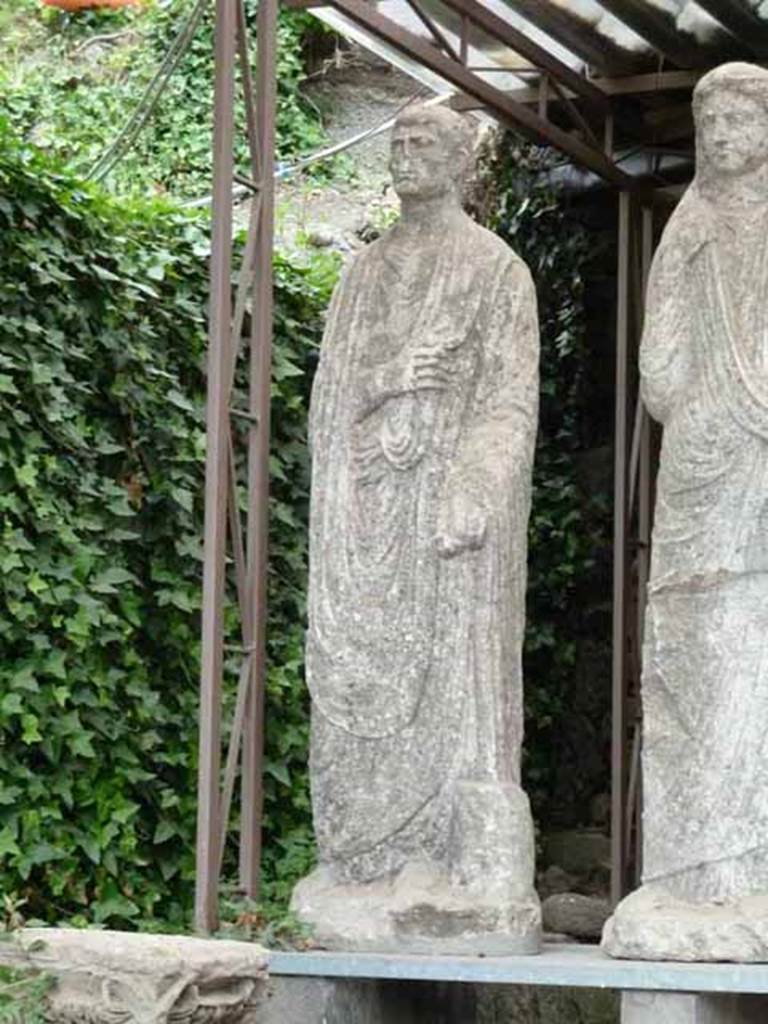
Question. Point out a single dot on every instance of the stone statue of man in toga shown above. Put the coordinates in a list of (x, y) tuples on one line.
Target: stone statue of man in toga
[(422, 429), (704, 367)]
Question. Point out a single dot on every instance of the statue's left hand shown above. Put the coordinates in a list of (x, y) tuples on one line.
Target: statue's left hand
[(462, 526)]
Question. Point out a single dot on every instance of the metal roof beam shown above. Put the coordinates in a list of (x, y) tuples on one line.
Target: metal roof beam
[(519, 42), (434, 29), (630, 85), (498, 103), (660, 30), (657, 81)]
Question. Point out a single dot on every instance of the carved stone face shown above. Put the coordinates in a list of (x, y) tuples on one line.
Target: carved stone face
[(732, 133), (421, 161)]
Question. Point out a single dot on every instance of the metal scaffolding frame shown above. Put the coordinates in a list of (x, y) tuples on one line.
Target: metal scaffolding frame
[(577, 116), (222, 499)]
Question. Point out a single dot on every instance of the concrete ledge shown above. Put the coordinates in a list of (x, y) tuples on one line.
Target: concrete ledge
[(559, 966)]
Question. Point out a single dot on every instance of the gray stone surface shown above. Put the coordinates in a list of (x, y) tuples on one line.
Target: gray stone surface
[(105, 977), (578, 851), (554, 880), (704, 369), (685, 1008), (574, 914), (422, 426), (650, 924)]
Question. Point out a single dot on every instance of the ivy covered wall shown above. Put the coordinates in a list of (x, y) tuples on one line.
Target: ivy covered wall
[(102, 340)]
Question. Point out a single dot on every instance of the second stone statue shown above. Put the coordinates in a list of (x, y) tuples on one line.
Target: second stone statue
[(423, 421)]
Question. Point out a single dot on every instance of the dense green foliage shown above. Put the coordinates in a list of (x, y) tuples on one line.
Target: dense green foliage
[(22, 997), (568, 524), (101, 450), (68, 82), (22, 992), (101, 454)]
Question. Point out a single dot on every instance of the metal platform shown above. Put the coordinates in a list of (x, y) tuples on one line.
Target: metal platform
[(564, 966)]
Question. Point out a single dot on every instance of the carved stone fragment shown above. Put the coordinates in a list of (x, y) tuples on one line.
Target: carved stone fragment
[(704, 368), (104, 977), (423, 420)]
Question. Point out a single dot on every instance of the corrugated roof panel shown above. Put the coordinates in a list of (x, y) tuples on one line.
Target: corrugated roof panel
[(611, 28), (557, 47), (605, 42), (593, 15), (650, 52), (700, 24)]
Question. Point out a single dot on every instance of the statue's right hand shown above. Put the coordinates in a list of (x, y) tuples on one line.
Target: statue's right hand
[(428, 370)]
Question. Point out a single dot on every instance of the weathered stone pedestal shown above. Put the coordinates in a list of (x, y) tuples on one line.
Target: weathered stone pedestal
[(419, 911), (650, 924), (688, 1008), (106, 977)]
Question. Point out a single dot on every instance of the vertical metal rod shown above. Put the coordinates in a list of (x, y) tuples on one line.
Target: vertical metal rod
[(633, 786), (618, 783), (246, 81), (217, 431), (634, 454), (464, 40), (644, 467), (245, 281), (608, 135), (230, 768), (644, 534), (543, 102), (258, 454), (236, 537), (244, 592)]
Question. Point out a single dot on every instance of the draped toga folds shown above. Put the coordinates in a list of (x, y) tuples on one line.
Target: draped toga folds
[(704, 366), (414, 659)]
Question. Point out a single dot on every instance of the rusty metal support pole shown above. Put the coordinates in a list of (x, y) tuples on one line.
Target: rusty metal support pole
[(618, 766), (464, 41), (216, 481), (644, 523), (644, 466), (543, 100), (258, 452)]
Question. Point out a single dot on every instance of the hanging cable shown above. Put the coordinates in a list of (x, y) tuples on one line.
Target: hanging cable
[(148, 102), (287, 170)]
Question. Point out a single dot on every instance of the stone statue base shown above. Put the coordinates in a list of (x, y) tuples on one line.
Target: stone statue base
[(416, 911), (650, 924), (481, 902)]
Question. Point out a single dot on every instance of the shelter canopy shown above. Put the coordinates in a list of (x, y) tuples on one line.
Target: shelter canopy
[(571, 64)]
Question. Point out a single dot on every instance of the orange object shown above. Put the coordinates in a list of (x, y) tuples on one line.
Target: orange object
[(79, 5)]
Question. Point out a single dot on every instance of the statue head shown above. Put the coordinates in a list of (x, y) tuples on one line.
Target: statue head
[(730, 106), (431, 151)]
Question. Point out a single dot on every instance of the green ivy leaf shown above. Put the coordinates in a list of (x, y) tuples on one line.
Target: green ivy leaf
[(12, 704), (30, 729), (8, 845)]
